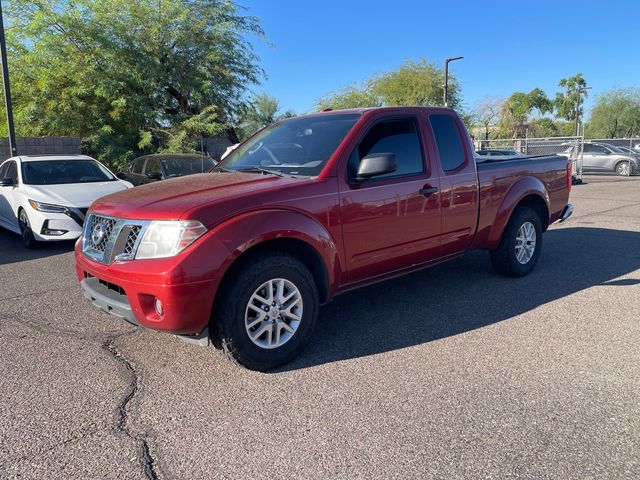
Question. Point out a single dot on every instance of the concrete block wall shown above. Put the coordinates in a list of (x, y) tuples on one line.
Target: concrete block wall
[(41, 145)]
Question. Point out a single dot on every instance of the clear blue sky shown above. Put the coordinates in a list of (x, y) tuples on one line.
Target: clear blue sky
[(320, 46)]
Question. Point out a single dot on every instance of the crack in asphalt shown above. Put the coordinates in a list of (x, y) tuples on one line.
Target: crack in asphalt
[(123, 423)]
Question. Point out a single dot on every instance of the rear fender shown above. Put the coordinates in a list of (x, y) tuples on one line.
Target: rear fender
[(522, 188)]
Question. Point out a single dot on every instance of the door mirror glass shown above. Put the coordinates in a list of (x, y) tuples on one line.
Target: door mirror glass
[(7, 182), (376, 164)]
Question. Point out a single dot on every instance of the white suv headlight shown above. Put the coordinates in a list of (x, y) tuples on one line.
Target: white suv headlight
[(168, 238)]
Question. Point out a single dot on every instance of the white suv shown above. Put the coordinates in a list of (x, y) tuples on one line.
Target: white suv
[(46, 197)]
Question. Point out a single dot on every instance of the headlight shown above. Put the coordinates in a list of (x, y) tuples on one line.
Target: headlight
[(168, 238), (47, 207)]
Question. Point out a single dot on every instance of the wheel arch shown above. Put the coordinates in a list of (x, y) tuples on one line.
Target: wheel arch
[(289, 231), (528, 191)]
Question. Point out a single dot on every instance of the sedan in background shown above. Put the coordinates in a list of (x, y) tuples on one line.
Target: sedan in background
[(602, 157), (46, 197), (151, 168)]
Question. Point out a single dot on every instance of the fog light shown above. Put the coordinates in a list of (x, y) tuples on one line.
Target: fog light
[(53, 232), (158, 305)]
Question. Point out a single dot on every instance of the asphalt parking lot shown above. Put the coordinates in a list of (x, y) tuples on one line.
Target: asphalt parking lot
[(453, 372)]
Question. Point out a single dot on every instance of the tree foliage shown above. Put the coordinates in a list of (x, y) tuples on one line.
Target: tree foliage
[(414, 83), (261, 111), (129, 76), (518, 109), (566, 102), (616, 113)]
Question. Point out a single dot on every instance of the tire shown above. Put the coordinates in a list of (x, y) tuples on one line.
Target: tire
[(26, 233), (622, 168), (511, 260), (234, 319)]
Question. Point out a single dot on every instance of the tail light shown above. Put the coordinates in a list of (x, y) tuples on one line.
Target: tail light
[(569, 176)]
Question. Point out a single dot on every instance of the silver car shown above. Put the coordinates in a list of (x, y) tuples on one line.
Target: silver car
[(602, 157)]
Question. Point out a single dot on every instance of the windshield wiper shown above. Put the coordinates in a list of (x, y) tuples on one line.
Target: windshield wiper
[(264, 170)]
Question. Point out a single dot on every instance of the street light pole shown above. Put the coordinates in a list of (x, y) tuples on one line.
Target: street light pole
[(580, 90), (446, 77), (7, 87)]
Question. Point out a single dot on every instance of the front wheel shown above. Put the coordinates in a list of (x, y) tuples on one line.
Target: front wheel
[(519, 249), (267, 311), (26, 233), (622, 168)]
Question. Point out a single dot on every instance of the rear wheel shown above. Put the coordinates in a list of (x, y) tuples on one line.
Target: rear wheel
[(268, 312), (519, 249), (28, 239)]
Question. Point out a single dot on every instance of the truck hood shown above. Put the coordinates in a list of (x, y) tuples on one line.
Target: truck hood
[(78, 195), (186, 197)]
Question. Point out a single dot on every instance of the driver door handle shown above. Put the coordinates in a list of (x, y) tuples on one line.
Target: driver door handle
[(428, 190)]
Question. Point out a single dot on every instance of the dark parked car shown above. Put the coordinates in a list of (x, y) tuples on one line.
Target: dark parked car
[(152, 168)]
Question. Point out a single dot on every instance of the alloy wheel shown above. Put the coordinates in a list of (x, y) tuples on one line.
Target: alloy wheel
[(273, 313), (525, 243)]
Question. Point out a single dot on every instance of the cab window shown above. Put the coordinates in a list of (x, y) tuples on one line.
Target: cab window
[(448, 141), (397, 136)]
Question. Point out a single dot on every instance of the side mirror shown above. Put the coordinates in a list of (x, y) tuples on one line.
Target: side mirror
[(121, 175), (154, 175), (7, 182), (607, 152), (376, 164)]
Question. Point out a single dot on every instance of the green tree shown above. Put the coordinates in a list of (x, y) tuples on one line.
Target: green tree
[(616, 113), (566, 103), (414, 83), (518, 109), (129, 76), (262, 110)]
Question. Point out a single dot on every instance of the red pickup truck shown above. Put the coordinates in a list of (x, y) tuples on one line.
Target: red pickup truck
[(306, 209)]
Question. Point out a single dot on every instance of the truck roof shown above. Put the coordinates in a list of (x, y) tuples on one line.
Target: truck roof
[(362, 110)]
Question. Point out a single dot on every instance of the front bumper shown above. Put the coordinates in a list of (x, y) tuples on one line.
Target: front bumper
[(43, 221), (128, 290)]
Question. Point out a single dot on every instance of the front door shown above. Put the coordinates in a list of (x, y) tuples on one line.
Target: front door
[(392, 221)]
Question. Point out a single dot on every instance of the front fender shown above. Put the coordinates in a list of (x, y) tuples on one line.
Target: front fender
[(240, 233), (522, 188)]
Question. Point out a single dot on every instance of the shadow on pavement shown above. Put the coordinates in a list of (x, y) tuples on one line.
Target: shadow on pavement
[(12, 250), (466, 294)]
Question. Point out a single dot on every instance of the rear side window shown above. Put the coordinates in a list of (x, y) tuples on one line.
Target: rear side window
[(448, 141), (399, 137)]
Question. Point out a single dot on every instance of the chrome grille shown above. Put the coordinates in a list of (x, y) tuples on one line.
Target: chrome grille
[(101, 228), (130, 244), (107, 239)]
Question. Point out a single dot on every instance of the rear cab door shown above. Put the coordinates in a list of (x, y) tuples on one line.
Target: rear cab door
[(458, 180), (390, 222)]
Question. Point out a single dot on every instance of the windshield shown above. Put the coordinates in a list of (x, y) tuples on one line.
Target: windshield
[(179, 166), (299, 146), (615, 149), (55, 172)]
